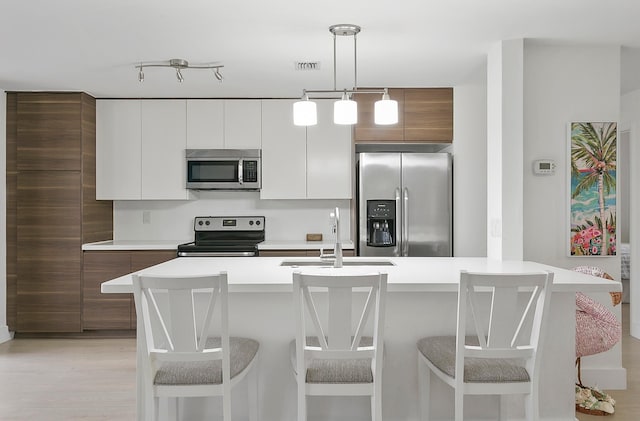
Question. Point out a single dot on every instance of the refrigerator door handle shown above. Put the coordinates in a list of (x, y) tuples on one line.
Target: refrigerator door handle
[(396, 250), (405, 223)]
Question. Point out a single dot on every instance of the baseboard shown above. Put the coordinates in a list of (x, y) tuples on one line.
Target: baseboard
[(5, 335), (605, 378)]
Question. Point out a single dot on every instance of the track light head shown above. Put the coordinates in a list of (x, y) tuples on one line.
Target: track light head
[(140, 75), (179, 75), (217, 74)]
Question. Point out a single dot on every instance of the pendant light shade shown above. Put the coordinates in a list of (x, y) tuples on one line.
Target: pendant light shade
[(345, 111), (304, 112), (386, 110)]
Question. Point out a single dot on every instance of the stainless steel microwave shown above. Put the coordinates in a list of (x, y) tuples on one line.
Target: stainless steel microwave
[(224, 169)]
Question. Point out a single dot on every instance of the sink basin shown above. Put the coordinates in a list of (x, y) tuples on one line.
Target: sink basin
[(296, 263)]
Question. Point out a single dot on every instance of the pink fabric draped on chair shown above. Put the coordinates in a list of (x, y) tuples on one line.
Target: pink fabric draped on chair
[(597, 330)]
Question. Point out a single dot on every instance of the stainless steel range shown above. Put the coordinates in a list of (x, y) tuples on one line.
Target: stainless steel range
[(224, 236)]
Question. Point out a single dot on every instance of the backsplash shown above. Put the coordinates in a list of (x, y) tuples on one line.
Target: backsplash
[(286, 220)]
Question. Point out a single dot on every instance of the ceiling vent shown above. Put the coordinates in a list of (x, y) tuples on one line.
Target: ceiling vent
[(307, 65)]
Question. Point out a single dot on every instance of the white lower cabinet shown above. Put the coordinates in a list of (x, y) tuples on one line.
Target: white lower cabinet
[(299, 163), (140, 150)]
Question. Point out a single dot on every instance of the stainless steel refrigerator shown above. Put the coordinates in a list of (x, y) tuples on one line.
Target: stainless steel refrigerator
[(405, 204)]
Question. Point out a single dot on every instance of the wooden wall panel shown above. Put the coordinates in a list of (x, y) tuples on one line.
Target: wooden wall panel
[(49, 131), (11, 139), (97, 215)]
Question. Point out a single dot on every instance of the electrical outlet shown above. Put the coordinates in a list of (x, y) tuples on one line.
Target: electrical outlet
[(146, 217)]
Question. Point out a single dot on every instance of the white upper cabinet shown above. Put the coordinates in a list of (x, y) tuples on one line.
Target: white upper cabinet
[(163, 143), (243, 124), (224, 124), (299, 163), (118, 150), (329, 156), (205, 124), (284, 150)]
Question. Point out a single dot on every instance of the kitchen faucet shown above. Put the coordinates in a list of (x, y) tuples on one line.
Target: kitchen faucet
[(336, 256)]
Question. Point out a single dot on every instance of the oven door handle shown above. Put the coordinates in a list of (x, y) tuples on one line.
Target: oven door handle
[(240, 171), (216, 253)]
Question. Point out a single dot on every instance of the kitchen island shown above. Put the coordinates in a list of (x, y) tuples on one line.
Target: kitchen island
[(421, 301)]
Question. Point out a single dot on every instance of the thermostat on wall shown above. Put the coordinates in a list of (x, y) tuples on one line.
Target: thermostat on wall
[(544, 167)]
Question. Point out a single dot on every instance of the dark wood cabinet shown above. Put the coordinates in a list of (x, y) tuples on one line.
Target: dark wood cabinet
[(366, 130), (428, 115), (113, 311), (51, 208), (424, 115)]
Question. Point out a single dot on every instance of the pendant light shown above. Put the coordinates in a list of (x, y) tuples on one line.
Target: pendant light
[(304, 112), (386, 110), (345, 110)]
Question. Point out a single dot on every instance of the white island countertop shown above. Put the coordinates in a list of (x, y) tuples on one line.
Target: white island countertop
[(408, 274)]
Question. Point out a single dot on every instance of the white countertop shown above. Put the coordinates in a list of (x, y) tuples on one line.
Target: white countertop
[(133, 245), (173, 245), (409, 274)]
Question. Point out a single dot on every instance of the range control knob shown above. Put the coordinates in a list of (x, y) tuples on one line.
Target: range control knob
[(207, 223), (250, 222), (257, 222), (199, 222)]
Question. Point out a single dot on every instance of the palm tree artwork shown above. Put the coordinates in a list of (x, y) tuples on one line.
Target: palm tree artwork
[(593, 189)]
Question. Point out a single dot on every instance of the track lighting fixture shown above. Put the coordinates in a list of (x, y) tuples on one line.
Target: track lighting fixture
[(345, 110), (179, 64)]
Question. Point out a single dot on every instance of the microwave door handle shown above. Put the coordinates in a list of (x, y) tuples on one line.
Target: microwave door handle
[(240, 171)]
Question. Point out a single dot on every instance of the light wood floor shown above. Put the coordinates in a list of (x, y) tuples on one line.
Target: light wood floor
[(94, 379)]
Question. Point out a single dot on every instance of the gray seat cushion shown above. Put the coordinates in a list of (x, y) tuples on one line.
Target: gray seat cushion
[(242, 351), (336, 371), (441, 351)]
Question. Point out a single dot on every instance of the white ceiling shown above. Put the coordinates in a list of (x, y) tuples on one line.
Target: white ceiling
[(93, 45)]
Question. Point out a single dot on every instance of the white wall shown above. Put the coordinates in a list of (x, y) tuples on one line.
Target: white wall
[(504, 150), (4, 331), (630, 121), (565, 83), (469, 166), (286, 220)]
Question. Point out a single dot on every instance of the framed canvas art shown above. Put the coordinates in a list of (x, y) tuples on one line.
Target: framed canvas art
[(593, 156)]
